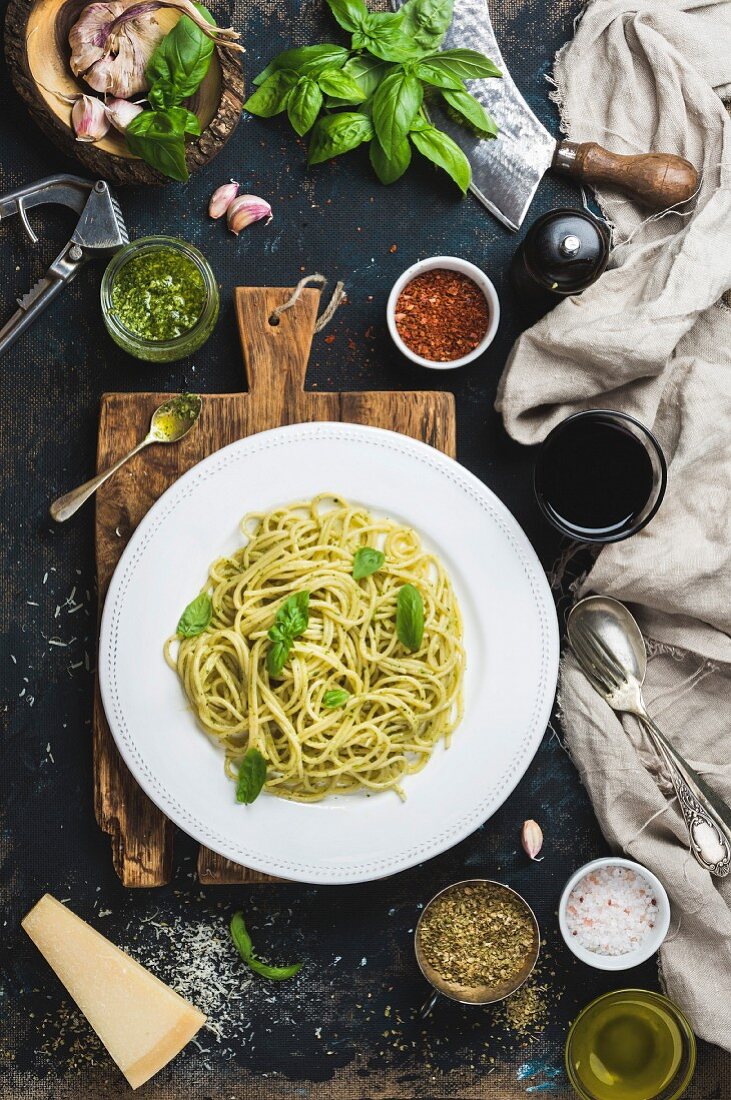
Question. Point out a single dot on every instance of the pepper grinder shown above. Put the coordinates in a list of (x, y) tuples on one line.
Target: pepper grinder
[(563, 253)]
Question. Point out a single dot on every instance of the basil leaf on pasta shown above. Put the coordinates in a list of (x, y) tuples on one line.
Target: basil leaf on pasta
[(367, 561), (335, 698), (196, 616), (251, 778), (410, 617), (277, 654), (294, 615)]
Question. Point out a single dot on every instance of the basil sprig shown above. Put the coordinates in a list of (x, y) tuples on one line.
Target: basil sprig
[(392, 71), (366, 561), (290, 622), (251, 777), (175, 71), (410, 617), (244, 946), (196, 616)]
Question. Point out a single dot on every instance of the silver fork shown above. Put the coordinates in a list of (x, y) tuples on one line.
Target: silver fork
[(610, 648)]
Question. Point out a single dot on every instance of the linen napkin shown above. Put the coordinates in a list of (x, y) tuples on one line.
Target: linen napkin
[(652, 337)]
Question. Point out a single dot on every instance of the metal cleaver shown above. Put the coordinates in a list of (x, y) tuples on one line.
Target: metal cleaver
[(506, 171)]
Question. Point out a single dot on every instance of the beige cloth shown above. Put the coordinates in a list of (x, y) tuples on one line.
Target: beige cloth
[(652, 337)]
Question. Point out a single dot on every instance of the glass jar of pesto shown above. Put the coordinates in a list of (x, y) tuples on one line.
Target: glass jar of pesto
[(159, 298)]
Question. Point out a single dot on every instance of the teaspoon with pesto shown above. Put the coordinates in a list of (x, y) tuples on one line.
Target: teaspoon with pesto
[(170, 422)]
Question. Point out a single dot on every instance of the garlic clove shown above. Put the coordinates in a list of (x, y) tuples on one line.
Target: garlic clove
[(531, 837), (120, 112), (89, 119), (246, 209), (222, 198)]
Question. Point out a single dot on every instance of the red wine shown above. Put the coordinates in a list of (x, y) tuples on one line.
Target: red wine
[(594, 477)]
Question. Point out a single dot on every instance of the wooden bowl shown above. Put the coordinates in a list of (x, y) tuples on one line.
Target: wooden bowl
[(38, 56)]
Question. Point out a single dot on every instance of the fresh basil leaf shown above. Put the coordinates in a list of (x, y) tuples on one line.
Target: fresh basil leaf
[(431, 71), (335, 698), (307, 59), (367, 71), (303, 105), (271, 97), (350, 14), (442, 151), (410, 617), (471, 111), (339, 85), (152, 136), (382, 36), (244, 946), (274, 973), (251, 777), (240, 936), (184, 120), (293, 616), (338, 133), (464, 64), (396, 103), (183, 57), (366, 561), (162, 94), (390, 168), (196, 616), (426, 22), (277, 655)]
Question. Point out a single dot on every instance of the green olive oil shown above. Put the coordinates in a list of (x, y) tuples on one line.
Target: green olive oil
[(628, 1046)]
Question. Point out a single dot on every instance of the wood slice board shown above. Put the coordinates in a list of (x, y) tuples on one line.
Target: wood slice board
[(275, 359)]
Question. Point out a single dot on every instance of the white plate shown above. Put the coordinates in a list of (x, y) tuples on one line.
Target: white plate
[(510, 631)]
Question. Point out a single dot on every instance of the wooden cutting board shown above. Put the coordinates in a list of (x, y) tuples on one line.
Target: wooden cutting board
[(275, 359)]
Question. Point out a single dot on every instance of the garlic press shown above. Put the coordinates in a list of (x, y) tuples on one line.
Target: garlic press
[(100, 231)]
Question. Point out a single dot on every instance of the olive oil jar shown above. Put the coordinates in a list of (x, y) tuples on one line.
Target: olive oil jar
[(159, 299), (631, 1044)]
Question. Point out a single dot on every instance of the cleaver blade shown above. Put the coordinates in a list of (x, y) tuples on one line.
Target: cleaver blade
[(506, 170)]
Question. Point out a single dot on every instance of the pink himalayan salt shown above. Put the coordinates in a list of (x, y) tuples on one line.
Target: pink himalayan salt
[(611, 910)]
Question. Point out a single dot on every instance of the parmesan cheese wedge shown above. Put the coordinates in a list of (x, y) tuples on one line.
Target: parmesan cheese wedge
[(141, 1021)]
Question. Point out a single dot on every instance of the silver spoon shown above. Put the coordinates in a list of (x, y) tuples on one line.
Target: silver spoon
[(170, 422), (610, 648)]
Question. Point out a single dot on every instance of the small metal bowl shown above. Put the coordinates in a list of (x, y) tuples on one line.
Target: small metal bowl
[(474, 995)]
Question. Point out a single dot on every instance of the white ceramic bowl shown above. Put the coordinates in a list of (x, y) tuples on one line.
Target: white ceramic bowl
[(652, 940), (450, 263)]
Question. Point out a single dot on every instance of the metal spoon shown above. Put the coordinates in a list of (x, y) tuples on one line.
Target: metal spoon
[(610, 648), (170, 422)]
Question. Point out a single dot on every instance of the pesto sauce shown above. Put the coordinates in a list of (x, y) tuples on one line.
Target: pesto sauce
[(158, 295)]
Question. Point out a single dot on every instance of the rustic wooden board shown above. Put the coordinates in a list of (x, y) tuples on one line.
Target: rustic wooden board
[(275, 358)]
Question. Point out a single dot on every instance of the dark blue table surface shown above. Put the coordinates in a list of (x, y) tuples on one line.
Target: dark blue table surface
[(346, 1027)]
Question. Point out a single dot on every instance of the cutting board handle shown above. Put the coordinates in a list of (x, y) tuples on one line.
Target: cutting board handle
[(657, 180), (275, 355)]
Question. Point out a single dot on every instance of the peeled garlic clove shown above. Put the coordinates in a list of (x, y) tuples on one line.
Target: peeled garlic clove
[(247, 209), (89, 119), (222, 198), (120, 113), (531, 837)]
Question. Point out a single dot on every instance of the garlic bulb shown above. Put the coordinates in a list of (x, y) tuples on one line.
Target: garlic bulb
[(120, 113), (222, 198), (89, 119), (245, 210), (531, 837), (112, 42)]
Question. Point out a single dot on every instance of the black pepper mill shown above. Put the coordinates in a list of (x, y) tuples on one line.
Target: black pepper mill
[(563, 253)]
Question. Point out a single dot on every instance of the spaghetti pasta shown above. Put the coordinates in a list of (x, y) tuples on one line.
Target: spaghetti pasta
[(399, 704)]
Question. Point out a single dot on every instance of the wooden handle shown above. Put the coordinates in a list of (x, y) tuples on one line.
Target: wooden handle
[(275, 355), (657, 180)]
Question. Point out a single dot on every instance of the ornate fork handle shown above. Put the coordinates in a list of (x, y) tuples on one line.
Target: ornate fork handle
[(707, 817)]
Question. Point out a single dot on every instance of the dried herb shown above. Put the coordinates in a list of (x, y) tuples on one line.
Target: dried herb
[(477, 936)]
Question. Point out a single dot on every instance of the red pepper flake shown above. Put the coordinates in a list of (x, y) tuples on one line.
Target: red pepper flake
[(330, 339), (393, 248), (442, 315)]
